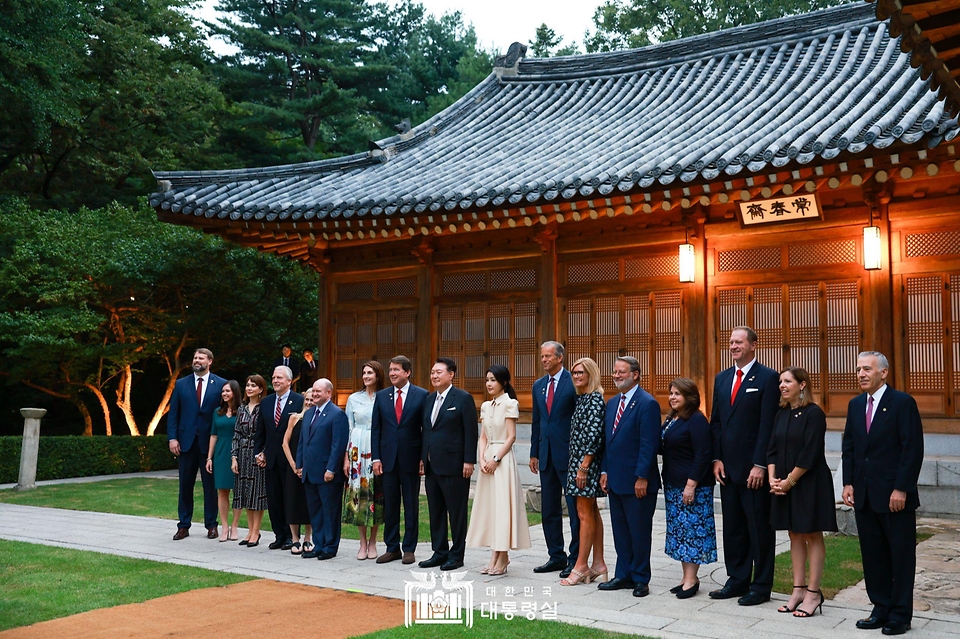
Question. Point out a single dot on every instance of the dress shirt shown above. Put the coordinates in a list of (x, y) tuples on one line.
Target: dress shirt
[(746, 371), (877, 396), (206, 381)]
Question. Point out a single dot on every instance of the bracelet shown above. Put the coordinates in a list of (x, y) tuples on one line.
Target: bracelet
[(209, 458), (582, 469), (791, 480)]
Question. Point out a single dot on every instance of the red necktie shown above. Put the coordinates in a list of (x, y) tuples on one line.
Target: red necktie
[(869, 413), (276, 414), (199, 390), (736, 386), (616, 422), (550, 396), (399, 406)]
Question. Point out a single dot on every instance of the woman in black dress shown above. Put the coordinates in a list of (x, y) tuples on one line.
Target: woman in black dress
[(583, 475), (295, 497), (800, 480)]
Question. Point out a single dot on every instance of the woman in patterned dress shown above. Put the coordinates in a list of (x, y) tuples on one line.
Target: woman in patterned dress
[(250, 489), (363, 501), (583, 474), (686, 446)]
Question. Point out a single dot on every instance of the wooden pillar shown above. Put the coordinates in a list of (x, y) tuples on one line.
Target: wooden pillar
[(326, 351), (880, 312), (548, 282), (695, 330), (426, 328)]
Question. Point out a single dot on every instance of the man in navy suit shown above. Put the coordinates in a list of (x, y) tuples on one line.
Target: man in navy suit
[(746, 397), (630, 476), (881, 459), (275, 411), (450, 436), (323, 443), (395, 438), (554, 399), (188, 431)]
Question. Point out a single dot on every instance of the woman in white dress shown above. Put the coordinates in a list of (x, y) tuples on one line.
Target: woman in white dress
[(363, 500), (499, 517)]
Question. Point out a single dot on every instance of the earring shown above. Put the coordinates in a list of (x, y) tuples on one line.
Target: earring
[(801, 395)]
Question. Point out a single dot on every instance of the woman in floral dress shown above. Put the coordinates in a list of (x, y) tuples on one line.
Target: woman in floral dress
[(363, 501)]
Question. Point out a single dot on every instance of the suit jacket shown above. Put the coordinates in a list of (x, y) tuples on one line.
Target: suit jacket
[(741, 432), (323, 444), (550, 436), (397, 444), (889, 457), (307, 375), (687, 449), (452, 441), (186, 419), (268, 437), (631, 452), (292, 362)]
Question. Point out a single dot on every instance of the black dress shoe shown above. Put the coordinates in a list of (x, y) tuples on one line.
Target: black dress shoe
[(552, 566), (276, 545), (433, 562), (326, 555), (451, 564), (896, 627), (287, 545), (641, 591), (310, 554), (871, 623), (686, 593), (753, 598), (616, 584), (566, 571), (727, 592)]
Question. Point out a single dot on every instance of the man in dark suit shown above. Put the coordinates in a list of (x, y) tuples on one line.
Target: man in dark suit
[(630, 476), (287, 359), (275, 411), (309, 371), (323, 443), (188, 431), (450, 436), (395, 438), (746, 397), (881, 459), (554, 399)]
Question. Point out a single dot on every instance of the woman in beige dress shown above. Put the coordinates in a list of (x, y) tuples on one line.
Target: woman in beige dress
[(499, 517)]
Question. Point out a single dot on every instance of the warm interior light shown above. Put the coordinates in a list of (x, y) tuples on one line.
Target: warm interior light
[(871, 248), (687, 263)]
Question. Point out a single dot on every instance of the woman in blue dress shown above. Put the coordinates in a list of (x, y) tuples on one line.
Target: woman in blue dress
[(221, 440), (686, 446)]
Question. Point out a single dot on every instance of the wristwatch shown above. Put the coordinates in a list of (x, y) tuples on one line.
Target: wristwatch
[(496, 459)]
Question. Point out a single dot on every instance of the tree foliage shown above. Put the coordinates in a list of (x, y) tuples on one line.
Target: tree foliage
[(624, 24), (546, 43)]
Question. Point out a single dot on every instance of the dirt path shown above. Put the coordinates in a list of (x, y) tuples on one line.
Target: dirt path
[(253, 609)]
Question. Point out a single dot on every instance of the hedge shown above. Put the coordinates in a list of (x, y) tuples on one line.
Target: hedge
[(77, 456)]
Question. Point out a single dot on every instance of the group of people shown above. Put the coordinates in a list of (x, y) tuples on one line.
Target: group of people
[(317, 466)]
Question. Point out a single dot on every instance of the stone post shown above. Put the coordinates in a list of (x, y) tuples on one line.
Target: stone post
[(31, 447)]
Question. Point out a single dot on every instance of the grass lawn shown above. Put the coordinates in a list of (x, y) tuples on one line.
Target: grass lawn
[(43, 582), (843, 566), (155, 498), (498, 629)]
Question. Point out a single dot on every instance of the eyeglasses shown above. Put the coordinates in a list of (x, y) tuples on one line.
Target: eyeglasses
[(578, 373)]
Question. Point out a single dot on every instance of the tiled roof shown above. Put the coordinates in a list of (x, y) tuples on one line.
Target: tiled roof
[(803, 89)]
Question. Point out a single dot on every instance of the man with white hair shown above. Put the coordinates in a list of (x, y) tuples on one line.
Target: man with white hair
[(275, 411)]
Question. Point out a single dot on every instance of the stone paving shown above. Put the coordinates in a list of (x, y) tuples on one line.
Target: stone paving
[(659, 615)]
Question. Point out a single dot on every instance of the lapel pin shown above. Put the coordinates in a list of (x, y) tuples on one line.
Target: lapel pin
[(750, 380), (884, 410)]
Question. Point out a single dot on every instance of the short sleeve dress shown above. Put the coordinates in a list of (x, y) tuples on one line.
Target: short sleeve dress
[(223, 426), (363, 501), (499, 516), (798, 441), (586, 438)]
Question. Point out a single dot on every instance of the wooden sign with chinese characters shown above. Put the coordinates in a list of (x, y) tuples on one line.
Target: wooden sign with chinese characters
[(792, 208)]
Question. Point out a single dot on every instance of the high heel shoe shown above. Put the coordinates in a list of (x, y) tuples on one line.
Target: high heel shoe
[(252, 544), (496, 572), (576, 577), (686, 593), (598, 576), (800, 613), (676, 589), (786, 607)]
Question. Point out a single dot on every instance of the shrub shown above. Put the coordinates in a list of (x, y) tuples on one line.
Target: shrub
[(73, 456)]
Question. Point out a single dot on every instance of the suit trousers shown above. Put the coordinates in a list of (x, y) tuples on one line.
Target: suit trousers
[(890, 541), (447, 495), (276, 483), (553, 483), (324, 502), (749, 541), (188, 463), (632, 522), (397, 485)]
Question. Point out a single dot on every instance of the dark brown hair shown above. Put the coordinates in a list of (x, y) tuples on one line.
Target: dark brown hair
[(377, 369), (259, 381), (234, 404), (802, 377), (691, 397)]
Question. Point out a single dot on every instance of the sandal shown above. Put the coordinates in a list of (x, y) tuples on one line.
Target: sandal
[(600, 576), (786, 607), (576, 577), (800, 613), (295, 549), (307, 546)]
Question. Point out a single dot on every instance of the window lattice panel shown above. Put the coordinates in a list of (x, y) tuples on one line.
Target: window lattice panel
[(955, 328), (840, 252), (668, 340), (593, 272), (749, 259), (406, 287), (464, 283), (352, 291), (657, 266), (513, 279), (843, 334), (925, 333), (937, 243)]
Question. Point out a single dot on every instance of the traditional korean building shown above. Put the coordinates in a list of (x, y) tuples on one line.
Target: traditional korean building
[(800, 176)]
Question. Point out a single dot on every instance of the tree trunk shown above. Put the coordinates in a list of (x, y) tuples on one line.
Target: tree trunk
[(104, 406), (124, 388), (87, 419), (164, 405)]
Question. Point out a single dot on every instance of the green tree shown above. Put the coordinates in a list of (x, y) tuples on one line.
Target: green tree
[(93, 298), (623, 24), (546, 43)]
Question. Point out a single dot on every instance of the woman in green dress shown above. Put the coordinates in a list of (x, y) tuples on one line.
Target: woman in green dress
[(219, 462)]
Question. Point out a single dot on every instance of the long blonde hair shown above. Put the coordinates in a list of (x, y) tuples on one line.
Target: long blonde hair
[(592, 370)]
